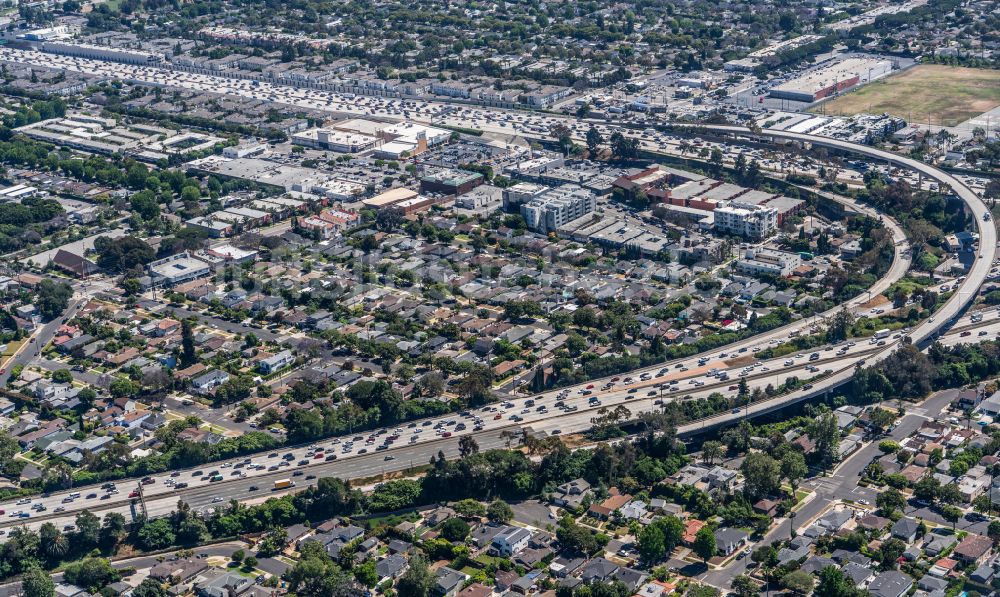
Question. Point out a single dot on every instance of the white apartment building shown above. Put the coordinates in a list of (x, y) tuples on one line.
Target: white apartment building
[(522, 192), (768, 262), (747, 220), (557, 207)]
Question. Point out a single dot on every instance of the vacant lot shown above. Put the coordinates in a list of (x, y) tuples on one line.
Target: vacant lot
[(945, 94)]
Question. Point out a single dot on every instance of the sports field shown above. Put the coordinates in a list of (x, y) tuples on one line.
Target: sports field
[(947, 95)]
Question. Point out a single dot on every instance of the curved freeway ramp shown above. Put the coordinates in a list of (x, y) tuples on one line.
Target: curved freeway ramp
[(923, 333)]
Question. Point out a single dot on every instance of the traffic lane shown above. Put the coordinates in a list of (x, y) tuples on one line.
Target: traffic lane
[(32, 348), (570, 424), (616, 396)]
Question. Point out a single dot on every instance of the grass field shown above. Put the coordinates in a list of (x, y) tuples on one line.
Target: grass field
[(945, 94)]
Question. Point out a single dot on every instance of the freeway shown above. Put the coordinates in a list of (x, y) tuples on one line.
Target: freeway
[(532, 125), (925, 331), (637, 394)]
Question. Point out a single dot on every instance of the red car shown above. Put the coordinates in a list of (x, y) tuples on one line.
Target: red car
[(446, 434), (590, 387)]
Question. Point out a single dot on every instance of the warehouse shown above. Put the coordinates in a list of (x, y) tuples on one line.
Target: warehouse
[(832, 79), (389, 198)]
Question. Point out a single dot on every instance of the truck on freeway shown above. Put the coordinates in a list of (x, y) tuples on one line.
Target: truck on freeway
[(882, 334), (283, 484)]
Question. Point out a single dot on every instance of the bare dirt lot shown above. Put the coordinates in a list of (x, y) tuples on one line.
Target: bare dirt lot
[(945, 95)]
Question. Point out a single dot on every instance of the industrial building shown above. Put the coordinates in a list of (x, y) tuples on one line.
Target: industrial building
[(831, 79), (389, 198), (556, 207), (760, 57)]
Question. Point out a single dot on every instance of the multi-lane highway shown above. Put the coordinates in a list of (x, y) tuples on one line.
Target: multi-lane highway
[(360, 456), (254, 481)]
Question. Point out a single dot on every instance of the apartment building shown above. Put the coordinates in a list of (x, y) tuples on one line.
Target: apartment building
[(558, 206)]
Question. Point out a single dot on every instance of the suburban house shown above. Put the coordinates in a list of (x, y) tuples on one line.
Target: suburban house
[(510, 541)]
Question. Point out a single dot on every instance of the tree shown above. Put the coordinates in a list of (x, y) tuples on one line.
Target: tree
[(52, 298), (88, 531), (35, 582), (417, 580), (575, 537), (798, 581), (882, 419), (762, 474), (455, 529), (469, 508), (52, 543), (430, 384), (833, 583), (737, 439), (890, 551), (594, 140), (711, 450), (62, 376), (624, 148), (93, 573), (825, 432), (950, 494), (187, 343), (951, 514), (926, 489), (249, 564), (889, 501), (744, 586), (113, 530), (993, 530), (499, 512), (704, 544), (652, 543), (149, 588), (272, 543), (793, 467), (122, 254), (467, 446), (366, 573), (157, 534)]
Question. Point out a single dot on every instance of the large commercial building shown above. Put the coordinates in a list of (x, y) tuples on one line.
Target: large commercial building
[(334, 140), (449, 181), (176, 269), (556, 207), (81, 50), (746, 219), (831, 79), (96, 134)]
